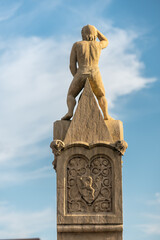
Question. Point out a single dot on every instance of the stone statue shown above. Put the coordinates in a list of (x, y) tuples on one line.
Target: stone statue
[(86, 53), (88, 152)]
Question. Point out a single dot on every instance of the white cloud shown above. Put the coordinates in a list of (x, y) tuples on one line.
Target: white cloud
[(26, 224), (33, 85), (121, 67), (30, 81)]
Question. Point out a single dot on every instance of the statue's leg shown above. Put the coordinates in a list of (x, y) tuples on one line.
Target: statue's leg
[(76, 86), (104, 106), (99, 91)]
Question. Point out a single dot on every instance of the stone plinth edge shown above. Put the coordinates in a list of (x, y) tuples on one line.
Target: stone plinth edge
[(89, 228)]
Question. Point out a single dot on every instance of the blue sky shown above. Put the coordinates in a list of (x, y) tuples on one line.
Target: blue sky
[(36, 37)]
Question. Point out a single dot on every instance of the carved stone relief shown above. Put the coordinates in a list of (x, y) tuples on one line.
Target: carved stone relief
[(57, 146), (121, 146), (89, 184)]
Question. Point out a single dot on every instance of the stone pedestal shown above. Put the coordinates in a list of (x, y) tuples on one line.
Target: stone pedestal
[(88, 154)]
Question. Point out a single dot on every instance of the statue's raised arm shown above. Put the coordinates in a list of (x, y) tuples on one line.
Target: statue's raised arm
[(84, 61), (103, 39)]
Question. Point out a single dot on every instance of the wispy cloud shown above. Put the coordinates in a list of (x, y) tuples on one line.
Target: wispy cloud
[(8, 10), (156, 200), (151, 218), (18, 177), (95, 10), (151, 229), (25, 224)]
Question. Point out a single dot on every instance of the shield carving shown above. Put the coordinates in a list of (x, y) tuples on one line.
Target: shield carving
[(88, 188), (89, 184)]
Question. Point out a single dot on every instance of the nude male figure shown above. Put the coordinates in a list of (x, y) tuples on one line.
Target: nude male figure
[(86, 54)]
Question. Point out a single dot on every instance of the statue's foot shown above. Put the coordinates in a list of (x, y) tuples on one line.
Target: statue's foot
[(67, 116), (108, 118)]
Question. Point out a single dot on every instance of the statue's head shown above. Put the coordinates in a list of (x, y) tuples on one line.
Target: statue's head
[(89, 33)]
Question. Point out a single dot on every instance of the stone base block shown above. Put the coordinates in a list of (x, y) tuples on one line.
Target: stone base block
[(115, 128), (90, 232), (60, 129), (89, 236)]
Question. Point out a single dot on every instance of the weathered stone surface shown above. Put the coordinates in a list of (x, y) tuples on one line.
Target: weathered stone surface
[(87, 124), (90, 232)]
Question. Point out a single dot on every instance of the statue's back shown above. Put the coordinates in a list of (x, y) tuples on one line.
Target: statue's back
[(88, 53)]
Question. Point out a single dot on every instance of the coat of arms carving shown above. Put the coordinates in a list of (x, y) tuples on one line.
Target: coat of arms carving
[(89, 184)]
